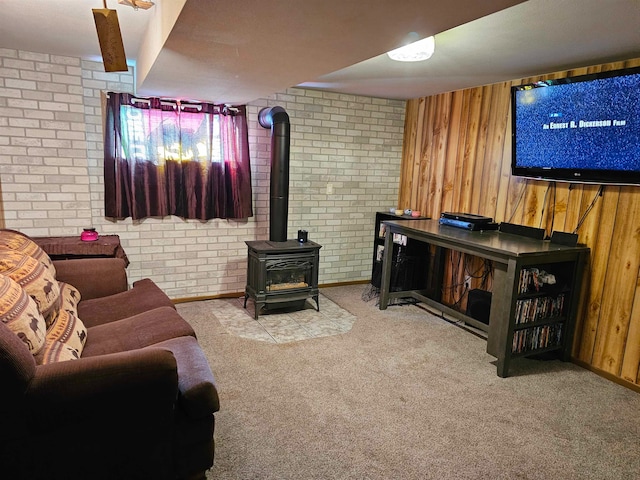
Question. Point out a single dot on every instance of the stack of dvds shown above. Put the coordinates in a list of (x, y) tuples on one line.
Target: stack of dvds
[(536, 338), (528, 280), (533, 309)]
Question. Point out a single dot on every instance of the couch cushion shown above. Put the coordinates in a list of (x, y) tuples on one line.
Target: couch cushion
[(20, 314), (93, 277), (19, 242), (31, 275), (136, 332), (69, 297), (65, 339), (196, 384), (66, 334), (142, 297)]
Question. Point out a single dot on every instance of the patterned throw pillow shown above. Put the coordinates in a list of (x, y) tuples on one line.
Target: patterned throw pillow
[(19, 242), (67, 334), (20, 313), (31, 275), (69, 297)]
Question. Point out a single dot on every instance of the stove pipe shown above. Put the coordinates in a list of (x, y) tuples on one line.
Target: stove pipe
[(277, 119)]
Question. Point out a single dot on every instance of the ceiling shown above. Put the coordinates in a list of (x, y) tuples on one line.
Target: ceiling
[(236, 52)]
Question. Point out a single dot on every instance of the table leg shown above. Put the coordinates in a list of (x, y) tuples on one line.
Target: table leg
[(387, 261), (503, 367)]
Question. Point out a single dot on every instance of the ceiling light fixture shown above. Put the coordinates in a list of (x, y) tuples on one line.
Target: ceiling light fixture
[(414, 52), (136, 4)]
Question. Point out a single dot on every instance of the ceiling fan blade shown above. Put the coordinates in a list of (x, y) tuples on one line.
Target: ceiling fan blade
[(110, 39)]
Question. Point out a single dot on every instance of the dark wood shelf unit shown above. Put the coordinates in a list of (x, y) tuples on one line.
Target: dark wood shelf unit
[(510, 254), (409, 261)]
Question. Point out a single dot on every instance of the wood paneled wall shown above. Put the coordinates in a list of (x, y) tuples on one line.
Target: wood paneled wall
[(457, 157)]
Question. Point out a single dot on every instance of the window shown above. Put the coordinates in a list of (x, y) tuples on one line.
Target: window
[(166, 157)]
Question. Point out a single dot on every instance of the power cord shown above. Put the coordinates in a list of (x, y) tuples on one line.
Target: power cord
[(515, 208), (598, 194)]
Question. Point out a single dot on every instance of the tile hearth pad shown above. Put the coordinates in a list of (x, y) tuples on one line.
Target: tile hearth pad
[(282, 326)]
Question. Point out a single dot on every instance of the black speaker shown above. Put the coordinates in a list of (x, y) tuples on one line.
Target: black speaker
[(564, 238), (479, 305), (522, 230)]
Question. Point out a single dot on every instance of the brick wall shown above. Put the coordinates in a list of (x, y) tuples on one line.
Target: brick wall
[(345, 164)]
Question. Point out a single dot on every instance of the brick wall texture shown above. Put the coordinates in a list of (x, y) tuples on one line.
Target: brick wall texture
[(345, 165)]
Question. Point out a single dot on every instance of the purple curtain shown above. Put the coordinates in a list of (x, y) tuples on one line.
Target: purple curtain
[(165, 157)]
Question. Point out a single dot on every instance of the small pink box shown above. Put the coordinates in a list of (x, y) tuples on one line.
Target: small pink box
[(89, 235)]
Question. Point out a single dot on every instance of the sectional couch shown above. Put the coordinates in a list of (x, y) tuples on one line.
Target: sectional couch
[(99, 380)]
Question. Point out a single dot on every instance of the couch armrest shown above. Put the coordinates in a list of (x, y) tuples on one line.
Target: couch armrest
[(198, 393), (93, 277), (139, 386), (103, 417)]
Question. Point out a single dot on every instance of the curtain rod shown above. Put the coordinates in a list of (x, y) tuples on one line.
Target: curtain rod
[(178, 103)]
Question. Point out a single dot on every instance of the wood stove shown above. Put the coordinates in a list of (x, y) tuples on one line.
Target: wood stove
[(282, 274)]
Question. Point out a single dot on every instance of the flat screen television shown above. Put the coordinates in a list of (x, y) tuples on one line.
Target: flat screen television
[(578, 129)]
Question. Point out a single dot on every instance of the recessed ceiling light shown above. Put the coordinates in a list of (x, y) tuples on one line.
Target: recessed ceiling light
[(414, 52)]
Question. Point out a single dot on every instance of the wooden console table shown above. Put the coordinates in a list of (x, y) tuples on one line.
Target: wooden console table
[(61, 248), (509, 332)]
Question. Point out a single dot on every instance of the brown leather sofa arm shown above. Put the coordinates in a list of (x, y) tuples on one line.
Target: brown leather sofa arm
[(93, 277), (138, 386)]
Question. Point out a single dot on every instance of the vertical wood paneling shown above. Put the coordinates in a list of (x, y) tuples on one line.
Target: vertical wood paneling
[(620, 285), (451, 167), (462, 182), (494, 150), (437, 179), (470, 150), (631, 362), (481, 144), (505, 200), (457, 157), (590, 311), (414, 129)]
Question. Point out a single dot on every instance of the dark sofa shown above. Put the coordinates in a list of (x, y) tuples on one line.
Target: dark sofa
[(138, 403)]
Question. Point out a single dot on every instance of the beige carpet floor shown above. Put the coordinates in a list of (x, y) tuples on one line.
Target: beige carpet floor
[(405, 395)]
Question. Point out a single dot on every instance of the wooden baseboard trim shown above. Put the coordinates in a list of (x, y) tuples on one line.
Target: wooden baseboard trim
[(344, 284), (607, 375), (207, 297), (241, 294)]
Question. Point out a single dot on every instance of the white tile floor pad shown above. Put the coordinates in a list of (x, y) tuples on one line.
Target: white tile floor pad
[(283, 326)]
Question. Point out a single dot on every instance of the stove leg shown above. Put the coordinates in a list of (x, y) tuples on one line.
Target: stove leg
[(316, 298), (245, 300), (258, 307)]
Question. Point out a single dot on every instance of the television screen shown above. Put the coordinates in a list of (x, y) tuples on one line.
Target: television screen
[(580, 129)]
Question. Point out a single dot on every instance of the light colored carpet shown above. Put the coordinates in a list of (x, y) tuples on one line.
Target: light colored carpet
[(406, 395)]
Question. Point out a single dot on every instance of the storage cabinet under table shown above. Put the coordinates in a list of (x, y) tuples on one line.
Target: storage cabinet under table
[(529, 315), (410, 257)]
